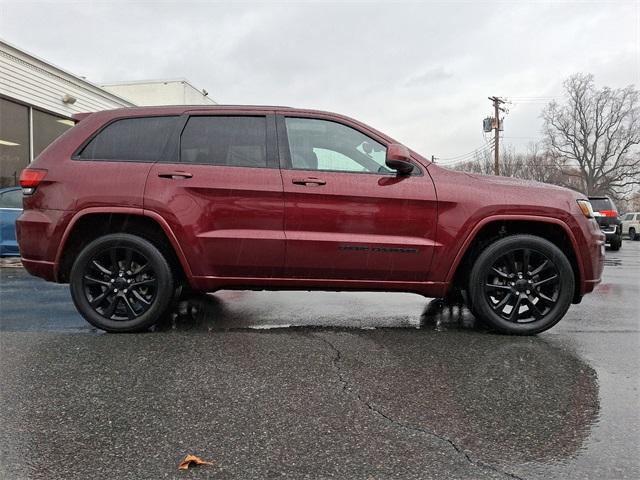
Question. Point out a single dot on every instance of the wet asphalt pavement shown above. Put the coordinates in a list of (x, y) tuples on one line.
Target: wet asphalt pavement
[(350, 385)]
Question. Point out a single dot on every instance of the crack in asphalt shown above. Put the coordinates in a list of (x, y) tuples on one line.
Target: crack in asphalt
[(337, 360)]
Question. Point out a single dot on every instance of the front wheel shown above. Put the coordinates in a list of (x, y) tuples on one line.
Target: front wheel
[(121, 283), (521, 285), (633, 235)]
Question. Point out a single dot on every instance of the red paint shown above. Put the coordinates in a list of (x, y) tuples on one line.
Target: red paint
[(236, 227)]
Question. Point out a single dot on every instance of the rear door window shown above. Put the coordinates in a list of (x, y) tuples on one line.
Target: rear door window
[(225, 141), (132, 139)]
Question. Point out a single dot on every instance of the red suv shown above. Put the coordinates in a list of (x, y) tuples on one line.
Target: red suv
[(132, 204)]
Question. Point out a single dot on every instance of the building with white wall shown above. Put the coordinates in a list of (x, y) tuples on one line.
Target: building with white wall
[(38, 99), (160, 92)]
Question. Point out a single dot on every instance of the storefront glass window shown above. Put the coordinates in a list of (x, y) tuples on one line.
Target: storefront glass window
[(46, 128), (14, 141)]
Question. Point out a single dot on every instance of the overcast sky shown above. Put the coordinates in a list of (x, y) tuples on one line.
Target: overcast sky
[(419, 71)]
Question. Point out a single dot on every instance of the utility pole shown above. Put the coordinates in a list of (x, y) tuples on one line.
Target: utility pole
[(497, 101)]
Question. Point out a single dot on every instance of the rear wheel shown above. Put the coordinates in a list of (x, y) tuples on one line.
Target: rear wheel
[(616, 242), (121, 283), (521, 285), (633, 235)]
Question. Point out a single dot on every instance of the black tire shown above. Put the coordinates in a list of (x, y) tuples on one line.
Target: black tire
[(126, 278), (616, 243), (521, 271), (633, 235)]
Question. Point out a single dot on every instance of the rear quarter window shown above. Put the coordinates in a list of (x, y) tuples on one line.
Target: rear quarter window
[(132, 139)]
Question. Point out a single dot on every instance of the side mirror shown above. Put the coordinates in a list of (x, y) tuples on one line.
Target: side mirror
[(399, 159)]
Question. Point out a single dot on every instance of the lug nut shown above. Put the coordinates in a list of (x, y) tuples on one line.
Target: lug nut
[(115, 290), (528, 292), (125, 290)]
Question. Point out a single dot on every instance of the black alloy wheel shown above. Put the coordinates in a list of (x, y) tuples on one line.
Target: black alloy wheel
[(521, 284), (121, 283)]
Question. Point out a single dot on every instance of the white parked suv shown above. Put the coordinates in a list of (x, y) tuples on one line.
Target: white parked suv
[(631, 225)]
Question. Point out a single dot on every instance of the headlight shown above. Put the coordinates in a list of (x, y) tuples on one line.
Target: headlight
[(586, 208)]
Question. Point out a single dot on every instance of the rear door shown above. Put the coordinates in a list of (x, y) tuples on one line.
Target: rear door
[(221, 192), (346, 215)]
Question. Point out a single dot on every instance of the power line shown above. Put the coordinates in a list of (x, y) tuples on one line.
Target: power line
[(472, 152)]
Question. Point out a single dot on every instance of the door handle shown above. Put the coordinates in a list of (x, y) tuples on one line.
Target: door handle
[(174, 175), (308, 181)]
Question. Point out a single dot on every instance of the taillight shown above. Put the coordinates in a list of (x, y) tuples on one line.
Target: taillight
[(609, 213), (30, 178)]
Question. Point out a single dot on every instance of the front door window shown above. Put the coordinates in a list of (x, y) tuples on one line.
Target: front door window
[(329, 146)]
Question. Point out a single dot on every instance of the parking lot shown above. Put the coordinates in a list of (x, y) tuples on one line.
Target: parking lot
[(320, 385)]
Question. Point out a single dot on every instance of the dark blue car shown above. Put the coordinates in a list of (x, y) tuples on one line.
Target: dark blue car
[(10, 209)]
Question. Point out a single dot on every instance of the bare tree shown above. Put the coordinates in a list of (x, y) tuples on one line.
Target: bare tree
[(597, 133)]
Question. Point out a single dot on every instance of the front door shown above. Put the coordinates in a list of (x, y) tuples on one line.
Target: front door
[(222, 195), (347, 216)]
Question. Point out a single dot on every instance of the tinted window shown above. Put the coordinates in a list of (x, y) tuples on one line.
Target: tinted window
[(628, 216), (599, 204), (141, 139), (324, 145), (11, 199), (230, 141)]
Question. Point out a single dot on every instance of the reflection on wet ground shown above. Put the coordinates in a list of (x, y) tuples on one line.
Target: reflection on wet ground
[(229, 310)]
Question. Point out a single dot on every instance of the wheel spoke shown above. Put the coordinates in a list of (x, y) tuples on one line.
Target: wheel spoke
[(131, 313), (101, 268), (546, 280), (141, 298), (534, 308), (500, 305), (97, 301), (147, 281), (142, 269), (513, 315), (543, 266), (110, 310), (500, 272), (96, 281), (498, 287), (549, 301)]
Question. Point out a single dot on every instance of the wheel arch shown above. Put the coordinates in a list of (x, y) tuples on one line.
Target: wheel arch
[(91, 223), (492, 228)]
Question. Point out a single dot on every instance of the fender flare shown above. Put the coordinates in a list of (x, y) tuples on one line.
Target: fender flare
[(530, 218), (134, 211)]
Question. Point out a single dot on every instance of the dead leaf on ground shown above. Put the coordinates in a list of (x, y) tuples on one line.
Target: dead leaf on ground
[(190, 460)]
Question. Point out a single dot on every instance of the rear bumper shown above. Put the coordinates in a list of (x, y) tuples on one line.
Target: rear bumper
[(39, 233), (39, 268)]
